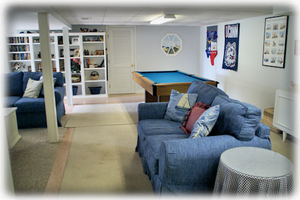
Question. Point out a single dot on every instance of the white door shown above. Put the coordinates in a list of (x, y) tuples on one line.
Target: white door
[(121, 59)]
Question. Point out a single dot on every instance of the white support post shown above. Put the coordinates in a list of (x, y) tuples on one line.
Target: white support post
[(48, 78), (68, 72)]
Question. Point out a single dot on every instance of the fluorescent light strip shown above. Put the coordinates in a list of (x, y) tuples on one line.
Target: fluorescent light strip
[(163, 19)]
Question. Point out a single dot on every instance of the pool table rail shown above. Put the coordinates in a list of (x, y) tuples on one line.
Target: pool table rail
[(161, 91)]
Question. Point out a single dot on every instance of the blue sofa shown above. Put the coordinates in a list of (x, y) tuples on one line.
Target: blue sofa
[(178, 164), (31, 111)]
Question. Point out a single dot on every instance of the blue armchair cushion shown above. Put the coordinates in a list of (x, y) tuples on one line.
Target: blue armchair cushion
[(236, 118), (206, 122), (206, 93), (179, 105), (14, 84)]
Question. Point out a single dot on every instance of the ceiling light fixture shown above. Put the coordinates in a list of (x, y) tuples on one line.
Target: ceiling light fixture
[(86, 18), (163, 19)]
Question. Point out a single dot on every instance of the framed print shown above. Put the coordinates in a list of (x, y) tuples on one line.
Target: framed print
[(75, 40), (275, 36)]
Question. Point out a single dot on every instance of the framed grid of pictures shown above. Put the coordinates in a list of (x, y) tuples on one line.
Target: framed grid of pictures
[(275, 36)]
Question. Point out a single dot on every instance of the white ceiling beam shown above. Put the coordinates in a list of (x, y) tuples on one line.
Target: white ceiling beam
[(57, 16)]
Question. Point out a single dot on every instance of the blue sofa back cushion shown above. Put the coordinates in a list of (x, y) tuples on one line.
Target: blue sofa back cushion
[(236, 118), (206, 93), (14, 84), (36, 76)]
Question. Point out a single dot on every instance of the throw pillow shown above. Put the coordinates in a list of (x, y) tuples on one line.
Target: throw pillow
[(206, 122), (179, 105), (192, 116), (33, 88)]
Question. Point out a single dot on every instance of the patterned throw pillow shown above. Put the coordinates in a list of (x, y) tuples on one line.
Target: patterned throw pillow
[(206, 122), (179, 105), (192, 116), (33, 88)]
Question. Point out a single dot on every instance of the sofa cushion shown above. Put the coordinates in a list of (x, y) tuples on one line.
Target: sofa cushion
[(236, 118), (206, 93), (33, 88), (192, 116), (36, 76), (152, 149), (14, 84), (179, 105), (206, 122), (160, 127), (10, 101), (30, 105)]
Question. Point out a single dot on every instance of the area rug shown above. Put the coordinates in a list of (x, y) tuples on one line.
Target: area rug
[(102, 160), (103, 114)]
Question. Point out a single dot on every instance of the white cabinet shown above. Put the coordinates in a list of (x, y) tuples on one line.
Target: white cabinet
[(285, 112), (24, 51)]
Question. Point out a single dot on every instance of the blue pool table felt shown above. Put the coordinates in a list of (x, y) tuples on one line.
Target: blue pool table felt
[(170, 77)]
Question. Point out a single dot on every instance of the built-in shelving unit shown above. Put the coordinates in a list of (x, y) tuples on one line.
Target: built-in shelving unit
[(87, 54)]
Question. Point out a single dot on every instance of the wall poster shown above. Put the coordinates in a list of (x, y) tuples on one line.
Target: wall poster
[(231, 49), (211, 43), (275, 36)]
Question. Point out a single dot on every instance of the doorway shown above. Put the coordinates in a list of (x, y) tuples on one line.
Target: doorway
[(121, 59)]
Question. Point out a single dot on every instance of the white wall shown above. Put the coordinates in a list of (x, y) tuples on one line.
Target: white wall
[(150, 57), (252, 83)]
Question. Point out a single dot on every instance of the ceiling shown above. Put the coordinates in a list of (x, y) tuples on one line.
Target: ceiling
[(138, 14), (185, 15)]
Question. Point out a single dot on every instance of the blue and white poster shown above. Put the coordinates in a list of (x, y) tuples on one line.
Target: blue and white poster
[(231, 49)]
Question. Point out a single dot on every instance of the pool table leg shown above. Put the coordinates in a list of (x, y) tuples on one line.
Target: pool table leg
[(149, 98)]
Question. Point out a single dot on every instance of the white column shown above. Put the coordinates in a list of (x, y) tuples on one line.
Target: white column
[(48, 77), (68, 72)]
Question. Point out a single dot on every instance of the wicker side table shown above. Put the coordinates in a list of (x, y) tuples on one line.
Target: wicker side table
[(249, 170)]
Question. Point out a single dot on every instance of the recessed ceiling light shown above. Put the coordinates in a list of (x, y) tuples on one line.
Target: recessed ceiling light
[(163, 19)]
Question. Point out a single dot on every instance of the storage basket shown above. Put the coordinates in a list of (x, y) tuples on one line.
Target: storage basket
[(95, 90)]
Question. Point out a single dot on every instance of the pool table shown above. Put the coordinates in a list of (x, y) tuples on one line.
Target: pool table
[(158, 84)]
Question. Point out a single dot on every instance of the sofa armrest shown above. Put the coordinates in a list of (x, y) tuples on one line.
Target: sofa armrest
[(263, 131), (193, 162), (152, 110), (59, 93)]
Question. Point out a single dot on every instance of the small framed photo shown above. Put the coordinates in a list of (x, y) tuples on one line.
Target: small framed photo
[(76, 53), (75, 40)]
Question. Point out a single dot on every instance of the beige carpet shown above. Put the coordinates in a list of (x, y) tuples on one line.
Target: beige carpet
[(103, 114), (102, 157), (32, 159), (103, 160)]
